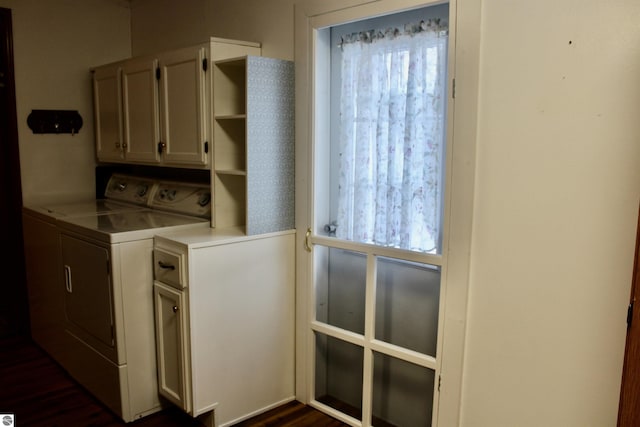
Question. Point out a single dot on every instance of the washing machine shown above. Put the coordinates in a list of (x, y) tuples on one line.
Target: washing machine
[(104, 285)]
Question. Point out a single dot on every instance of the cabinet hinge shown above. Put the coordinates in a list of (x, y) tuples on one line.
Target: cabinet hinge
[(630, 314), (439, 382), (206, 146), (453, 89), (158, 73), (205, 64)]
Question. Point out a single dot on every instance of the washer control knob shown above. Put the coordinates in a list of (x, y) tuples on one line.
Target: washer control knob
[(204, 199), (142, 190)]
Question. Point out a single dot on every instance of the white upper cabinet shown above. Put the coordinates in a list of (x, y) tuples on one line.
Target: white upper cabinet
[(254, 171), (108, 112), (140, 111), (183, 106), (156, 109)]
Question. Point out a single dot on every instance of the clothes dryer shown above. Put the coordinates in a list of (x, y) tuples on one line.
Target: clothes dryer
[(105, 284)]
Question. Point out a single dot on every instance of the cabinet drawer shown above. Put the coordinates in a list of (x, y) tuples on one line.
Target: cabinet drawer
[(168, 267)]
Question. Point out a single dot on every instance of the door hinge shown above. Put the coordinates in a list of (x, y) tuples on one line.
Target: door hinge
[(205, 64), (630, 314), (206, 146), (158, 73)]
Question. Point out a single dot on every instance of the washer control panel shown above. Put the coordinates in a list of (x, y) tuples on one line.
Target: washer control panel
[(172, 196)]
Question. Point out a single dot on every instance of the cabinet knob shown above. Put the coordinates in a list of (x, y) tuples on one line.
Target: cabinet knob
[(117, 144), (175, 308)]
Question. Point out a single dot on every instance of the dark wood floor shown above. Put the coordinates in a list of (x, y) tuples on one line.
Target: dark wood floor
[(40, 394)]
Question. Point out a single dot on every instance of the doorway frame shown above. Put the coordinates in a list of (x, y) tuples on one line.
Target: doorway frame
[(17, 307), (462, 160), (628, 413)]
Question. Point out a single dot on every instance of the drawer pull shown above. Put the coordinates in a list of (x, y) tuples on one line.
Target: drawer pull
[(166, 266)]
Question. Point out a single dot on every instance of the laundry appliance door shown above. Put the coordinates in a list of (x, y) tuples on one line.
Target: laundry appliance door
[(89, 298)]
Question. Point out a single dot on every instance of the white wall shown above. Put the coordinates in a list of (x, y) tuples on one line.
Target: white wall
[(55, 43), (556, 204)]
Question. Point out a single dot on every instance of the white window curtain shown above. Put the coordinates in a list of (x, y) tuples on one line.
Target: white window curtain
[(392, 137)]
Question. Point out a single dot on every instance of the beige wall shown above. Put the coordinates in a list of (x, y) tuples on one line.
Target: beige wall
[(163, 24), (55, 43), (557, 185), (557, 191)]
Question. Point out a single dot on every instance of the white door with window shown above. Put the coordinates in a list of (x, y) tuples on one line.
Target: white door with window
[(374, 166)]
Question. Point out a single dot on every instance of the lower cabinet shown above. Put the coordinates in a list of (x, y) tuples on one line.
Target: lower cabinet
[(170, 341), (225, 327)]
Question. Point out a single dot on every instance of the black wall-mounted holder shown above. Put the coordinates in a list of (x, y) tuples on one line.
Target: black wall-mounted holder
[(54, 121)]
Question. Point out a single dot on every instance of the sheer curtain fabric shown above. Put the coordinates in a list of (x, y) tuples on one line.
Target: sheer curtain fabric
[(392, 137)]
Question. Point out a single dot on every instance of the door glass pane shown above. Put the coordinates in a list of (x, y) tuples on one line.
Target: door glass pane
[(338, 375), (402, 392), (340, 288), (407, 301)]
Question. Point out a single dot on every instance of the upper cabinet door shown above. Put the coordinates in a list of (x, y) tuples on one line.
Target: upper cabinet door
[(108, 112), (140, 110), (183, 106), (156, 109)]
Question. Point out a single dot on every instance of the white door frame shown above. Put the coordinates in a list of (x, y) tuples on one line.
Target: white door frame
[(461, 151)]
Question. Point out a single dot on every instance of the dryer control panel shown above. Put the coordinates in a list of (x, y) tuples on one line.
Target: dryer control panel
[(130, 189), (183, 198)]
